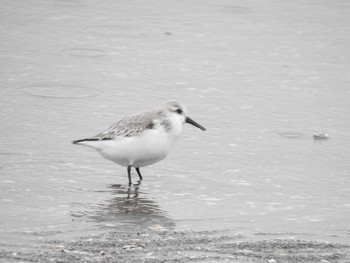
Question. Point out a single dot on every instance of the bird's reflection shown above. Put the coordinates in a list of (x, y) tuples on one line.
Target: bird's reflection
[(130, 206)]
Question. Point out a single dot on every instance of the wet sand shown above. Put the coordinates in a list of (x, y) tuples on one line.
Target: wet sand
[(156, 244)]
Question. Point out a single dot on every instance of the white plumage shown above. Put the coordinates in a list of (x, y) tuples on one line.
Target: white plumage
[(141, 139)]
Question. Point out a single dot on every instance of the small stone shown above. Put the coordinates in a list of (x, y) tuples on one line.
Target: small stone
[(103, 253), (61, 249), (141, 245), (138, 246), (129, 247), (320, 136), (271, 260), (157, 228)]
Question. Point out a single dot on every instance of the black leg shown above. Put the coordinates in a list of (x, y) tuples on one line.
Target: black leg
[(129, 174), (139, 173)]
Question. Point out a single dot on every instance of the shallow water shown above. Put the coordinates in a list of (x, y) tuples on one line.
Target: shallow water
[(261, 76)]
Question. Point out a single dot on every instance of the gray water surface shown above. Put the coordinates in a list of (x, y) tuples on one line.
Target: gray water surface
[(261, 76)]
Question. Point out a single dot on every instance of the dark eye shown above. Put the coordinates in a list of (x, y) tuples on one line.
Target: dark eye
[(179, 111)]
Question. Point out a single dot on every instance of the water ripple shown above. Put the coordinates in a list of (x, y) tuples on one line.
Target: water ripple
[(59, 91), (84, 52), (122, 31)]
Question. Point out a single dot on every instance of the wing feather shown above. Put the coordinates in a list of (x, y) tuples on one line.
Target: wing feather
[(129, 126)]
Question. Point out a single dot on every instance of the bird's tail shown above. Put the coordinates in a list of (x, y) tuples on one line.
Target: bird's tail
[(84, 140), (94, 143)]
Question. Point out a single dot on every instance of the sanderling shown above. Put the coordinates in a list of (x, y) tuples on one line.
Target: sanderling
[(141, 139)]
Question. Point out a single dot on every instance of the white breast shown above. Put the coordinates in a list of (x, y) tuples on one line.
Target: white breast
[(149, 147)]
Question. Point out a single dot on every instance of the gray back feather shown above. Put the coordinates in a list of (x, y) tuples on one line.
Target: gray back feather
[(132, 125)]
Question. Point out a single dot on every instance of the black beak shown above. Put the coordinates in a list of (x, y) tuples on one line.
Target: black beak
[(190, 121)]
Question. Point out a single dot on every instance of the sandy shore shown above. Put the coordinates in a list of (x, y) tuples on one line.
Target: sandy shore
[(159, 245)]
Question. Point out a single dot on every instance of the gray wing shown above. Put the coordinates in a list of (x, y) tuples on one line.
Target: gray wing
[(129, 126)]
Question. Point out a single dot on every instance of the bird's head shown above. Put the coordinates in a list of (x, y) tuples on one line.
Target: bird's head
[(179, 111)]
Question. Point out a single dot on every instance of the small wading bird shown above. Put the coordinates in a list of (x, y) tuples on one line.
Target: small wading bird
[(141, 139)]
